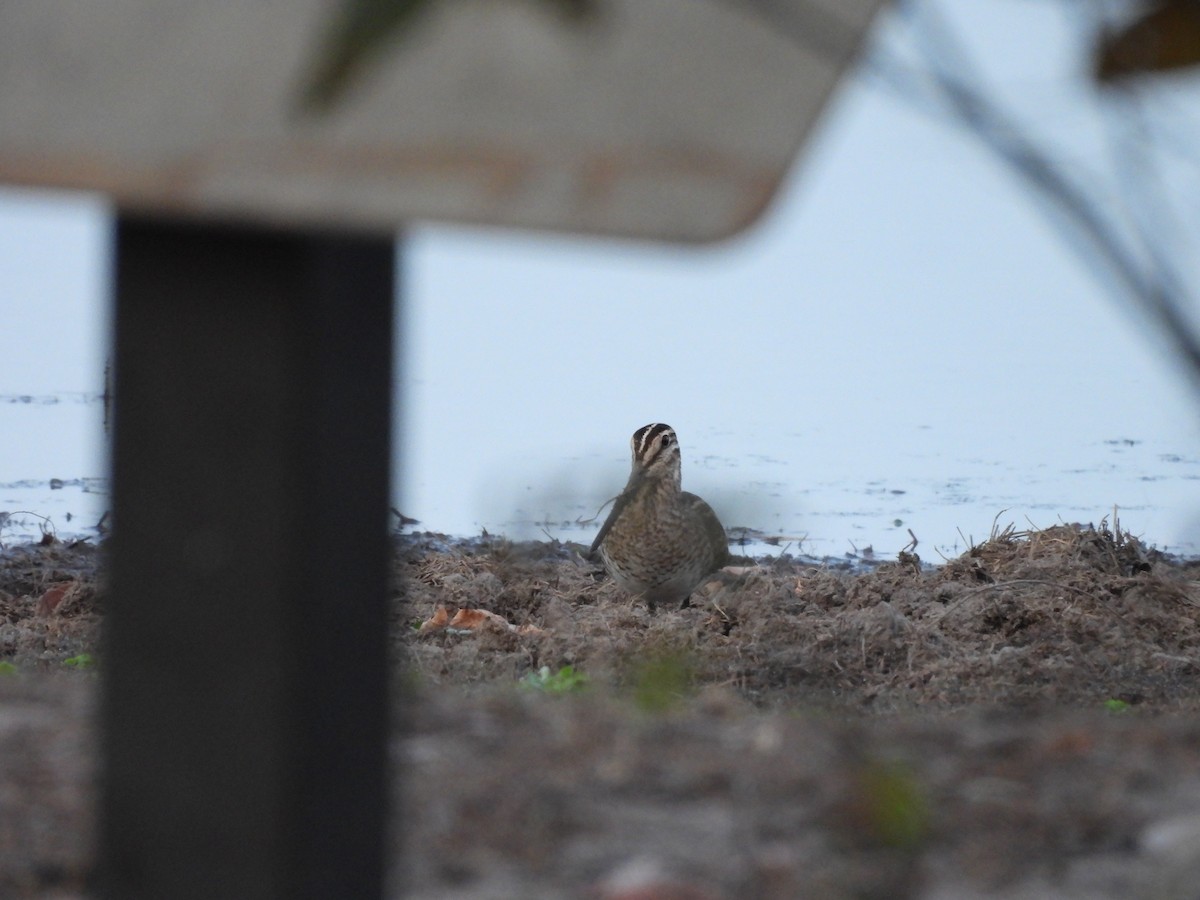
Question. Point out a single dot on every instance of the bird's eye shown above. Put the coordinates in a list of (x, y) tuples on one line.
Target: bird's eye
[(666, 440)]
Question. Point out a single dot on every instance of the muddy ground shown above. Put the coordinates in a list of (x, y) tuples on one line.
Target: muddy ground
[(1018, 722)]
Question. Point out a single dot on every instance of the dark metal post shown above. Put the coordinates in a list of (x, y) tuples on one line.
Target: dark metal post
[(244, 670)]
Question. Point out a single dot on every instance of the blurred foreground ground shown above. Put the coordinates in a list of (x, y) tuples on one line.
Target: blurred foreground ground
[(1017, 722)]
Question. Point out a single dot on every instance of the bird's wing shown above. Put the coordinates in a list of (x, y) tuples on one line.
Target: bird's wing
[(619, 505), (713, 529)]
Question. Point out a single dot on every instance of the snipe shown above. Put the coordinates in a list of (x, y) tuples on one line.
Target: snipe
[(659, 541)]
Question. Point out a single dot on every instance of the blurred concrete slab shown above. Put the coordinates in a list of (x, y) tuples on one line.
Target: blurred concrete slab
[(668, 119), (245, 671)]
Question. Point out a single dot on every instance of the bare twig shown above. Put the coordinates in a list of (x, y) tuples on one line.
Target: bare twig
[(949, 85)]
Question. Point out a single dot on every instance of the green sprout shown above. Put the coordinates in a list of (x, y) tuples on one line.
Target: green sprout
[(896, 811), (661, 682), (565, 681)]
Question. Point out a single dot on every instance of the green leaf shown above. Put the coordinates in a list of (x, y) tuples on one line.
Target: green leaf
[(897, 813), (662, 682), (361, 32), (565, 681), (355, 37)]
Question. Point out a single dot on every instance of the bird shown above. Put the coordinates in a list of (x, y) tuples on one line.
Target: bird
[(659, 542)]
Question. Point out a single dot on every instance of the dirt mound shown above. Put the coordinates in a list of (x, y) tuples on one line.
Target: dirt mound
[(49, 605), (1003, 724), (546, 797), (1070, 615)]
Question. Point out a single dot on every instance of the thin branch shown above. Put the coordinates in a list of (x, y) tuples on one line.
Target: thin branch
[(1092, 234), (950, 85)]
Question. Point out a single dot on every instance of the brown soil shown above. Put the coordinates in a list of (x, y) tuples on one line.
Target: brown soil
[(1018, 722)]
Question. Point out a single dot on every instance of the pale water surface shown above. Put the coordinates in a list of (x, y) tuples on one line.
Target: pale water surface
[(51, 476), (904, 343)]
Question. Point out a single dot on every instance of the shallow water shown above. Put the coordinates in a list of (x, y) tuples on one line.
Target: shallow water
[(821, 493), (800, 492), (51, 469)]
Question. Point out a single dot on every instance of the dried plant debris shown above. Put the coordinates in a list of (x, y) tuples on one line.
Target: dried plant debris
[(1005, 723), (50, 605), (467, 620), (1068, 615)]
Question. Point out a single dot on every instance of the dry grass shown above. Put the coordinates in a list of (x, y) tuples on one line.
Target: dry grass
[(1069, 615), (801, 730)]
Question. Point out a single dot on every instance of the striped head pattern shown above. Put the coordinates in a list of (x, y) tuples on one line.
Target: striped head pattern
[(656, 451)]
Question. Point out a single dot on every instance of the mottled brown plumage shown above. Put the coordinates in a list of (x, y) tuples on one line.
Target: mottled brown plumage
[(660, 542)]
